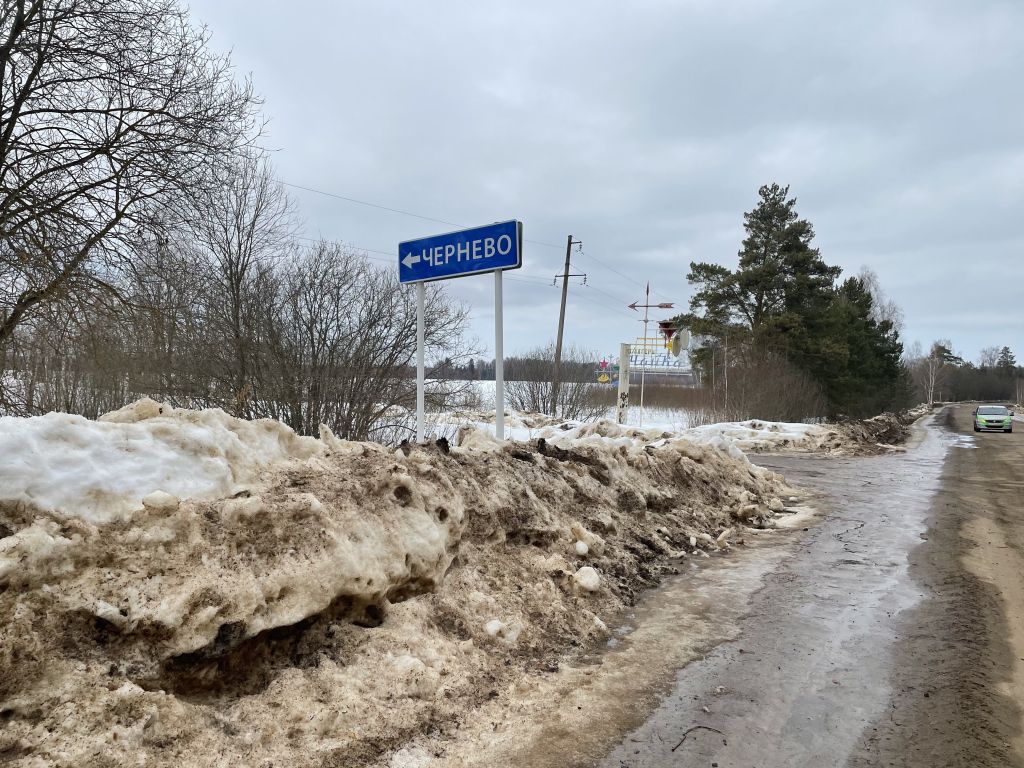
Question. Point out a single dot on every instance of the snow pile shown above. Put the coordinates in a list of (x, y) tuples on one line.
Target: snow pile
[(101, 470), (236, 592), (753, 436), (881, 433), (731, 437), (757, 436)]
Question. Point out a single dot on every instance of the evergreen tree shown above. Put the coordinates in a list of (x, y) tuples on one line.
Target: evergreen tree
[(858, 357), (783, 300), (1006, 362), (781, 279)]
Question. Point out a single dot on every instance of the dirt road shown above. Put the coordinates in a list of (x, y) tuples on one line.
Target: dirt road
[(893, 635)]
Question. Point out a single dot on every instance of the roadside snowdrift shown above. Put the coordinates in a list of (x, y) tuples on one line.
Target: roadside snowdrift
[(184, 588), (876, 435)]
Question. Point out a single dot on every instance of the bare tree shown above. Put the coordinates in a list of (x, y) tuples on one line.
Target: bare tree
[(339, 346), (379, 375), (769, 387), (989, 357), (933, 371), (883, 308), (167, 283), (147, 249), (107, 109), (72, 363), (913, 353), (244, 226)]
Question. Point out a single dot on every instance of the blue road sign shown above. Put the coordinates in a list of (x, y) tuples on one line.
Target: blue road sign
[(457, 254)]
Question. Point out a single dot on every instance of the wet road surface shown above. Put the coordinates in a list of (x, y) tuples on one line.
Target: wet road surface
[(891, 634)]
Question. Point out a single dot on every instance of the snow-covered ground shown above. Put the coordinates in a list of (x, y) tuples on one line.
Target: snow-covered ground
[(649, 416), (177, 584), (660, 425)]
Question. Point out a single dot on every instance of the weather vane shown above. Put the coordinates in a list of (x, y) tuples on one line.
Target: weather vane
[(647, 306)]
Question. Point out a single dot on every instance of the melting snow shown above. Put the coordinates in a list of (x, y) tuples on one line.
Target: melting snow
[(105, 470), (162, 552)]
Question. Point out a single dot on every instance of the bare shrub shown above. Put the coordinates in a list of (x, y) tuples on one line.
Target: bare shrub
[(341, 348), (244, 227), (773, 389), (532, 390), (74, 367), (327, 339), (768, 388)]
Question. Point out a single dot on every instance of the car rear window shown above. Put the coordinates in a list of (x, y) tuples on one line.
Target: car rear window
[(992, 410)]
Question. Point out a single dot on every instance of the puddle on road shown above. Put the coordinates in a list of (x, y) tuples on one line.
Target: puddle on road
[(962, 441), (727, 580)]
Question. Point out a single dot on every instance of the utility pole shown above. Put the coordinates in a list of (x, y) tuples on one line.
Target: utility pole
[(556, 375)]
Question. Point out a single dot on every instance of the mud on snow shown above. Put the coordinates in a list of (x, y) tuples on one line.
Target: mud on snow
[(236, 594)]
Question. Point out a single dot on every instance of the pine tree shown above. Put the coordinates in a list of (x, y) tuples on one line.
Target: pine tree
[(1006, 362), (782, 300), (780, 278)]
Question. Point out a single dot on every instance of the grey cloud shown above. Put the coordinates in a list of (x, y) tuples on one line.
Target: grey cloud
[(645, 130)]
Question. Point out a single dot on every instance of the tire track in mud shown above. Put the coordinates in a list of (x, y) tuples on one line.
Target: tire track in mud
[(949, 706)]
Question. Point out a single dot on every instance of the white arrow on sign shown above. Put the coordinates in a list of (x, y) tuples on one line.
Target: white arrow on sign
[(411, 259)]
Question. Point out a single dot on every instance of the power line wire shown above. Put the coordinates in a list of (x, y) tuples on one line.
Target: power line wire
[(591, 299), (532, 279), (613, 298), (348, 199), (607, 306), (623, 275), (446, 222), (424, 217), (370, 205), (363, 251), (526, 279)]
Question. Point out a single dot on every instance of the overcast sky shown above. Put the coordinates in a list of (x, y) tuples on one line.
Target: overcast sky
[(644, 129)]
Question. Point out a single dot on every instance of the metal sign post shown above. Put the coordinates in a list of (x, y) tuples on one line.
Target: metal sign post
[(491, 248), (420, 364), (643, 365), (499, 361)]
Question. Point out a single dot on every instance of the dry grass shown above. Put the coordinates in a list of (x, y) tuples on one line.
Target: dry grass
[(770, 389)]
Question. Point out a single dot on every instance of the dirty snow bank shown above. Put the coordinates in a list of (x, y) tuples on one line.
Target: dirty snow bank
[(317, 602), (744, 436), (753, 436)]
